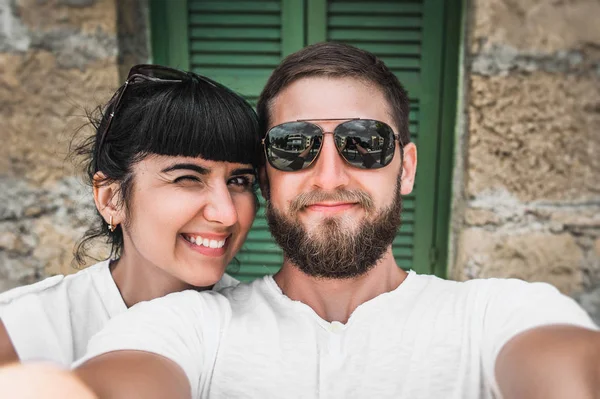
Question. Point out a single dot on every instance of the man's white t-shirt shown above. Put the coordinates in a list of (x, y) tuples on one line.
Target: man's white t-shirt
[(429, 338), (54, 319)]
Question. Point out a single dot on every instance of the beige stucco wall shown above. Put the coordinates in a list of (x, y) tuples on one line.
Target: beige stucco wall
[(58, 58), (530, 195)]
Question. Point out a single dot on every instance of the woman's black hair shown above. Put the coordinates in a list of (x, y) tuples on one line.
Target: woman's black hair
[(190, 118)]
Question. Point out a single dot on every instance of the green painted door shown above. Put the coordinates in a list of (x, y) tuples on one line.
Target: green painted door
[(239, 43)]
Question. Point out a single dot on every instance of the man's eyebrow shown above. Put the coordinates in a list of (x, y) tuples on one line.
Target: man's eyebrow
[(187, 166), (243, 171)]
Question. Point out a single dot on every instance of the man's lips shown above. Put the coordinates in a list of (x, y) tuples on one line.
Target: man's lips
[(331, 207)]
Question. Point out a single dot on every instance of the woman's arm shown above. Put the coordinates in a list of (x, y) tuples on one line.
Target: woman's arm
[(115, 375), (41, 381), (7, 350)]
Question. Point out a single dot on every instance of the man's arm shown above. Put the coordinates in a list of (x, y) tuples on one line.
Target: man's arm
[(134, 374), (7, 350), (548, 362)]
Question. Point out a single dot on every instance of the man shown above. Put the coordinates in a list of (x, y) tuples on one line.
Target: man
[(341, 319)]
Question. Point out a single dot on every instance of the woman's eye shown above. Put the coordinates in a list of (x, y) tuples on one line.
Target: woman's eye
[(186, 179), (241, 181)]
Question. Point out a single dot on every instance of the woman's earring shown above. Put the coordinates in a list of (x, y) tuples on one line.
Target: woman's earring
[(111, 226)]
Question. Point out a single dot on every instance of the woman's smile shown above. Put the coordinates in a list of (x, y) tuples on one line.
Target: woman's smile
[(207, 244)]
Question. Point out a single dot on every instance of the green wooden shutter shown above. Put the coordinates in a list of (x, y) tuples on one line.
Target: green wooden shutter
[(240, 42)]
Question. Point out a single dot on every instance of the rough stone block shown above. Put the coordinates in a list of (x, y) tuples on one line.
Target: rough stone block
[(481, 217), (88, 15), (531, 256), (44, 111), (535, 25), (535, 136)]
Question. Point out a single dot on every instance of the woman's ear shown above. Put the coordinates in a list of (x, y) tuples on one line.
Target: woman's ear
[(409, 169), (106, 197), (263, 182)]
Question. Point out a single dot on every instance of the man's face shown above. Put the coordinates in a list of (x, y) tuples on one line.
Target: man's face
[(332, 219)]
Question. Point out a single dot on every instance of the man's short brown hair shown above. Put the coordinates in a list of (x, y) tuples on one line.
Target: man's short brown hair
[(337, 60)]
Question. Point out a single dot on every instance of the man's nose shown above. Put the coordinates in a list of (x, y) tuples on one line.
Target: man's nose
[(330, 171)]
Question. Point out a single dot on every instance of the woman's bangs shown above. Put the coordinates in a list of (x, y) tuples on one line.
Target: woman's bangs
[(200, 120)]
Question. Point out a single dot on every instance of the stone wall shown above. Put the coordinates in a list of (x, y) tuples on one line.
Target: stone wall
[(58, 58), (531, 152)]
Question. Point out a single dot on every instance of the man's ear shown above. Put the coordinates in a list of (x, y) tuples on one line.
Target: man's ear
[(263, 182), (409, 168), (106, 197)]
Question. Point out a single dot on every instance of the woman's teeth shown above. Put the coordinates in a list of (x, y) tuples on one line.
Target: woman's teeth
[(205, 242)]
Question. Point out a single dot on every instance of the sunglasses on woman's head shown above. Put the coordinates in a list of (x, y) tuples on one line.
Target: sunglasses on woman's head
[(143, 73), (362, 143)]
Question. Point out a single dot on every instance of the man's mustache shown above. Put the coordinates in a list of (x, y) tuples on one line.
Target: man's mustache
[(313, 197)]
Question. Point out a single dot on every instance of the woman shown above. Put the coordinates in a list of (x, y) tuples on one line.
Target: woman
[(173, 168)]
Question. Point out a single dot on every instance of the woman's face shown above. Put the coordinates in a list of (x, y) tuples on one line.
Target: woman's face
[(188, 216)]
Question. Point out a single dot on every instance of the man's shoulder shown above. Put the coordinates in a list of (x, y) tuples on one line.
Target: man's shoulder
[(490, 285), (481, 292)]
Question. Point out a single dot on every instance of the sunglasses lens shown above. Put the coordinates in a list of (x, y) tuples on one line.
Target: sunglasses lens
[(365, 143), (293, 145)]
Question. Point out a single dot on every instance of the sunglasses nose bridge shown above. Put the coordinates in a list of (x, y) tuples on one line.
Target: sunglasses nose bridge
[(329, 169)]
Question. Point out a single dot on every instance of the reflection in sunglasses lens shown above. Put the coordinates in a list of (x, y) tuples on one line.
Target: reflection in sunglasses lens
[(363, 143)]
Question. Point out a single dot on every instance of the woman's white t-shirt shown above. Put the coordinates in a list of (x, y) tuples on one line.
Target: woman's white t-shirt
[(54, 319)]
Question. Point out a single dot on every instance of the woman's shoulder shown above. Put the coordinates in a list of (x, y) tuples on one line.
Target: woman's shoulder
[(226, 281), (53, 285), (30, 289)]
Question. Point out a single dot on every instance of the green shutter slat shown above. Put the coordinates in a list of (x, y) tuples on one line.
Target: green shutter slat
[(235, 33), (235, 6), (249, 20), (244, 60), (260, 257), (375, 7), (379, 22), (245, 81), (366, 35), (389, 49), (259, 235), (408, 62), (413, 129), (237, 47), (414, 114), (408, 216), (406, 228), (403, 241), (402, 252), (260, 222), (260, 247), (219, 73)]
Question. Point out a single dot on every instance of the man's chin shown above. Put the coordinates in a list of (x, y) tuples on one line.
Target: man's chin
[(323, 230), (345, 221)]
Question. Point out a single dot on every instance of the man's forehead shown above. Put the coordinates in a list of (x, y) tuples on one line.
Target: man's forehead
[(321, 98)]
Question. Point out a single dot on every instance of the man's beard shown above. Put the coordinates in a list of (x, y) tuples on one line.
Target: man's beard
[(332, 250)]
